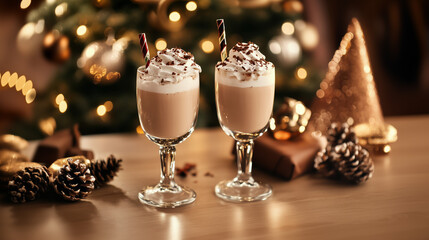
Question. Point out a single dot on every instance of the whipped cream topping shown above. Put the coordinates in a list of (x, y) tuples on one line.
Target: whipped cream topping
[(171, 66), (245, 62)]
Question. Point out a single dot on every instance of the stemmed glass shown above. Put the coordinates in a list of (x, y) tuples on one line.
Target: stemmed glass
[(167, 118), (243, 114)]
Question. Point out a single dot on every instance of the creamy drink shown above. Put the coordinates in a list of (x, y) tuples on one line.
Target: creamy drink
[(244, 89), (244, 100), (168, 94), (167, 100)]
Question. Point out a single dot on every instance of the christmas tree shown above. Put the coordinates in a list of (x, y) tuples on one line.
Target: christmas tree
[(95, 44)]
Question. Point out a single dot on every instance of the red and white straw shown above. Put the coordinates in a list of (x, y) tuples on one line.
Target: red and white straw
[(222, 38), (144, 48)]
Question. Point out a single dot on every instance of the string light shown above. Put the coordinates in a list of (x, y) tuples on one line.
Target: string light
[(300, 108), (25, 4), (301, 73), (61, 9), (20, 83), (139, 130), (101, 110), (48, 125), (387, 149), (27, 86), (108, 105), (12, 80), (81, 30), (30, 96), (174, 16), (59, 98), (288, 28), (191, 6), (5, 79), (62, 106), (61, 102), (160, 44), (207, 46)]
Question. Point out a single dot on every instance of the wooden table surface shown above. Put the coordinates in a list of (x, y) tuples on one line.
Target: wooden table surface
[(394, 204)]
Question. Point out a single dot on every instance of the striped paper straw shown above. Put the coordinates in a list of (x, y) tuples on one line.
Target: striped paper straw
[(144, 48), (222, 38)]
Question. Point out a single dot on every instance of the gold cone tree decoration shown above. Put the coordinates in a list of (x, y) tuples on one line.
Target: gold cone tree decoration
[(348, 92)]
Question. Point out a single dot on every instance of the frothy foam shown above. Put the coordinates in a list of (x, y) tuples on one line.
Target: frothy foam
[(171, 70), (246, 63)]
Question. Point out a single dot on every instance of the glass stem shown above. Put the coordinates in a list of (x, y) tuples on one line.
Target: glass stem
[(244, 161), (167, 155)]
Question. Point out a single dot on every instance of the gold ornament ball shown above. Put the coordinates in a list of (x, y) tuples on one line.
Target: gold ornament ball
[(103, 61), (290, 120), (56, 47), (376, 140)]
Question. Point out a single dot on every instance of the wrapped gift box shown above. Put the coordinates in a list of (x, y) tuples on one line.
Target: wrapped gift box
[(286, 159)]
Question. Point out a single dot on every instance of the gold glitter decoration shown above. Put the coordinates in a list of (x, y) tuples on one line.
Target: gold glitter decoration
[(8, 156), (113, 76), (378, 143), (348, 93), (290, 120), (12, 142), (98, 72)]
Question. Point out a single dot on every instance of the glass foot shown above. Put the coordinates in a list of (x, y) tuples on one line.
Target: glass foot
[(166, 197), (242, 191)]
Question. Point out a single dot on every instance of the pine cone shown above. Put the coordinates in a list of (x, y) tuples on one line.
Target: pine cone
[(353, 162), (28, 184), (105, 170), (338, 134), (325, 164), (74, 180)]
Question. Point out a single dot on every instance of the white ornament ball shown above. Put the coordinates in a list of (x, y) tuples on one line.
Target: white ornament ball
[(307, 35), (30, 37), (286, 48)]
